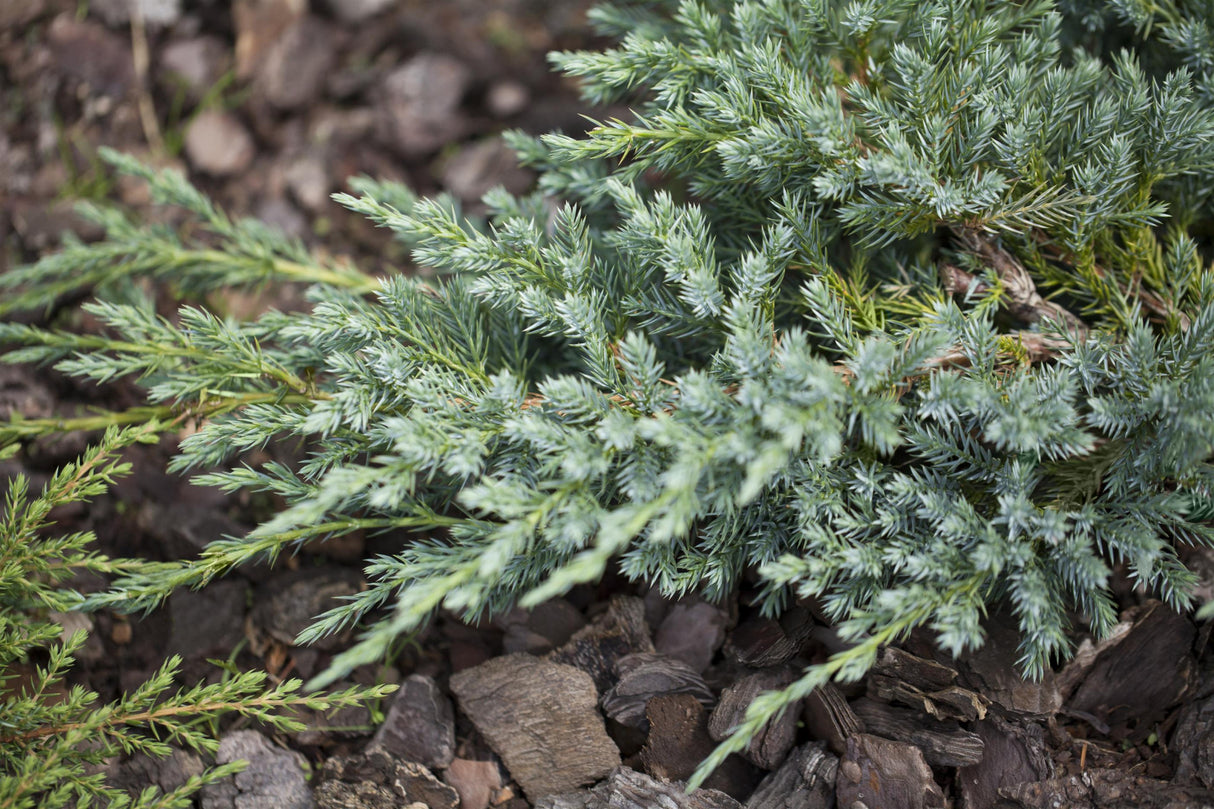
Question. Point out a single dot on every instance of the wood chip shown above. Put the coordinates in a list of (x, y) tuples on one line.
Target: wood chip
[(1013, 753), (540, 717), (944, 744), (829, 717), (771, 744), (679, 740), (924, 685), (628, 789), (644, 676), (881, 774), (1105, 789), (760, 642), (806, 780), (1149, 671), (597, 648)]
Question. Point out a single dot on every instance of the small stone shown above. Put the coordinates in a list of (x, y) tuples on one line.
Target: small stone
[(138, 772), (88, 53), (420, 103), (72, 622), (217, 143), (309, 183), (274, 779), (420, 725), (196, 64), (154, 13), (355, 11), (507, 97), (282, 216), (475, 169), (692, 633), (477, 782), (541, 718), (259, 24), (297, 64)]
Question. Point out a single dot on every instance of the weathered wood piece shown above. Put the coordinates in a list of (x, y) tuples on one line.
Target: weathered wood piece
[(596, 648), (678, 741), (629, 789), (1013, 753), (806, 780), (760, 642), (1105, 789), (771, 744), (993, 671), (925, 685), (540, 717), (420, 725), (944, 744), (378, 780), (1193, 744), (692, 632), (829, 717), (644, 676), (1143, 675), (274, 779), (881, 774)]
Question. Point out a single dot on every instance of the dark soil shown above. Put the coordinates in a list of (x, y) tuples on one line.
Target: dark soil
[(269, 105)]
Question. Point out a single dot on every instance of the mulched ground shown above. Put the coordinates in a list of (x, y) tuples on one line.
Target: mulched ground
[(600, 698)]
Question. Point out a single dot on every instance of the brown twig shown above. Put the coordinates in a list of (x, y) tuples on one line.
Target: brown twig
[(1023, 301)]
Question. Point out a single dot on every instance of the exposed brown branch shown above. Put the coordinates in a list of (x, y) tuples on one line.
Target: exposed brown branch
[(1023, 302)]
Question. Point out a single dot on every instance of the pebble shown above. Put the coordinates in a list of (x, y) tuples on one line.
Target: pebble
[(357, 10), (475, 169), (309, 183), (420, 725), (196, 63), (420, 103), (297, 64), (477, 782), (507, 97), (155, 13), (289, 602), (274, 779), (218, 144)]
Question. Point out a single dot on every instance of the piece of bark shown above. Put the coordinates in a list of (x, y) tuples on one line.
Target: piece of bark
[(678, 741), (829, 717), (1105, 789), (1193, 744), (420, 725), (1013, 753), (806, 780), (768, 747), (692, 632), (595, 649), (992, 670), (760, 642), (540, 717), (882, 774), (926, 685), (944, 744), (1086, 655), (378, 780), (629, 789), (644, 676), (1149, 671)]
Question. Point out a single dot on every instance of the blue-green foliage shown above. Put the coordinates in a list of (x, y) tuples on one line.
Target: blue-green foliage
[(717, 339)]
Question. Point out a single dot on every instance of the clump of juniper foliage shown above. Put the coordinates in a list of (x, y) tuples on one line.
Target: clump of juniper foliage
[(51, 734), (903, 305)]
